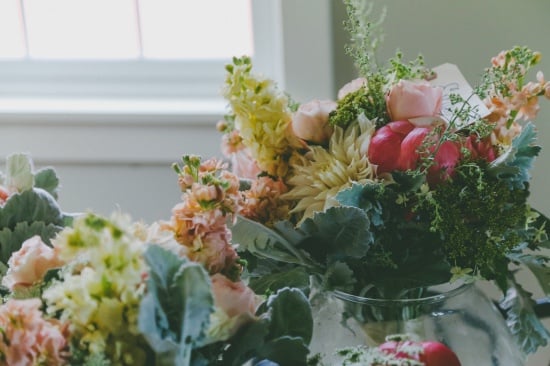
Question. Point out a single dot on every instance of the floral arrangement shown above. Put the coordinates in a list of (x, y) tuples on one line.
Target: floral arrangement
[(395, 186), (88, 290)]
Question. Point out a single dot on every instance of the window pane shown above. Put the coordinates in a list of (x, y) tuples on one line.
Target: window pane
[(73, 29), (196, 29), (12, 43)]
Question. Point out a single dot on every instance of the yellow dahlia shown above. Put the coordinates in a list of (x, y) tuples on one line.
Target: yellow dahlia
[(317, 182), (262, 117)]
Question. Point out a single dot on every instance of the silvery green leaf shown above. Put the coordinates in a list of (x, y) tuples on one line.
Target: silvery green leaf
[(525, 326), (12, 239), (339, 232), (47, 180), (30, 206), (19, 172), (264, 242), (514, 164), (175, 312), (538, 265)]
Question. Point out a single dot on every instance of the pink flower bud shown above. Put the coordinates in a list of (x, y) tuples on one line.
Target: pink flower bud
[(351, 87), (310, 121)]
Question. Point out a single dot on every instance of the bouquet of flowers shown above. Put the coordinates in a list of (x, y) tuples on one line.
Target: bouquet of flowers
[(410, 178), (89, 290)]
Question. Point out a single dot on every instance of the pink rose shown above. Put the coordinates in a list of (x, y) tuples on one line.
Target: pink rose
[(410, 99), (351, 87), (243, 165), (234, 298), (395, 147), (310, 121), (235, 306), (30, 263)]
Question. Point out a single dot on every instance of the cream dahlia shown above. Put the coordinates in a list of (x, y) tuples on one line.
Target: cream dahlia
[(327, 172)]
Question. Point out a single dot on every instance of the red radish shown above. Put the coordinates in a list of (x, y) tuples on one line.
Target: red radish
[(438, 354), (430, 353)]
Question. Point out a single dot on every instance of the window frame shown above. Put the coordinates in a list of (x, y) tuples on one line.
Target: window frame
[(164, 96)]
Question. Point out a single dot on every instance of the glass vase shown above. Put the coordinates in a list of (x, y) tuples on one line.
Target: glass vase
[(463, 318)]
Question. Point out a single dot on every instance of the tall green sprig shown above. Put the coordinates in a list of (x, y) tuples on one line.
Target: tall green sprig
[(366, 35)]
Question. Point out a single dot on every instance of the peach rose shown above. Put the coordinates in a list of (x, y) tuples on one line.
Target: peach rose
[(310, 121), (30, 263), (411, 99), (351, 87), (235, 306)]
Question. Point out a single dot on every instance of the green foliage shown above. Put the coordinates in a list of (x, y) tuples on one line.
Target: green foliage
[(78, 357), (280, 335), (479, 219), (30, 206), (47, 180), (175, 312), (368, 101), (365, 35), (526, 327)]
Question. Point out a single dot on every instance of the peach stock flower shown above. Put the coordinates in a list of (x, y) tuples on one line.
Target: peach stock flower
[(242, 163), (263, 203), (310, 121), (411, 99), (29, 339), (30, 263)]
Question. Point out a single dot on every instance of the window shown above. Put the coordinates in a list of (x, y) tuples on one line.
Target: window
[(81, 50), (125, 29)]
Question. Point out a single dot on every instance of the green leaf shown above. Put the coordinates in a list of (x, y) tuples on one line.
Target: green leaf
[(174, 313), (538, 265), (285, 351), (290, 315), (19, 172), (281, 333), (264, 242), (30, 206), (46, 179), (270, 283), (514, 165), (340, 276), (12, 239), (363, 197), (525, 326), (246, 343), (338, 232)]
